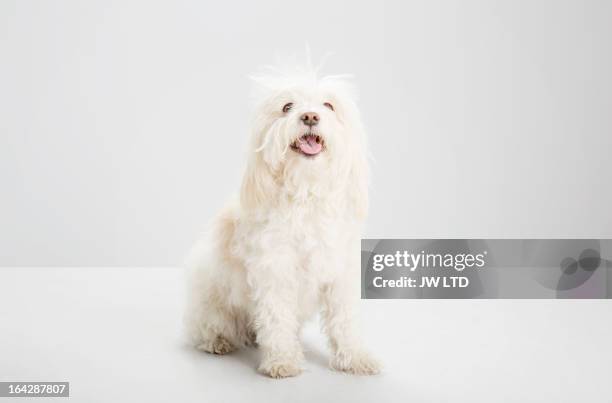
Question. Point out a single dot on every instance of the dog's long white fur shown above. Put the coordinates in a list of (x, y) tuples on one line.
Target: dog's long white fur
[(289, 246)]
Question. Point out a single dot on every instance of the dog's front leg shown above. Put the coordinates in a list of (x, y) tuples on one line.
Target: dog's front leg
[(338, 321), (275, 305)]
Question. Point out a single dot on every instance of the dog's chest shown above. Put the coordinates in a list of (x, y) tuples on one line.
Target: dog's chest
[(320, 239), (316, 235), (312, 226)]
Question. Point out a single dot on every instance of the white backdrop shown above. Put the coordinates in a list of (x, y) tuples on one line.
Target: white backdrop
[(123, 123)]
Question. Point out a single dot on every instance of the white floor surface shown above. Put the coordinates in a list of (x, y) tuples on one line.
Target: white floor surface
[(115, 335)]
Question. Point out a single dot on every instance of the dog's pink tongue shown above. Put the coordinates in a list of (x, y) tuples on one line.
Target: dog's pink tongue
[(308, 145)]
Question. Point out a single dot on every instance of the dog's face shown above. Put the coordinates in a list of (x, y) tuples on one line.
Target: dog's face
[(306, 135), (305, 125), (309, 118)]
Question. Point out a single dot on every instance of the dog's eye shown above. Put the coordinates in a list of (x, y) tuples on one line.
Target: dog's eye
[(287, 107), (330, 106)]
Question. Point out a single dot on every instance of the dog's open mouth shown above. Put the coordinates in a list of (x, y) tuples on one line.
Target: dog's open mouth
[(308, 145)]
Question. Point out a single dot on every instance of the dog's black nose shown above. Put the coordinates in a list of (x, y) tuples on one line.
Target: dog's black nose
[(310, 118)]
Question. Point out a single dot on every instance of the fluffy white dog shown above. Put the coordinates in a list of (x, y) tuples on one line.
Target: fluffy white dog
[(289, 247)]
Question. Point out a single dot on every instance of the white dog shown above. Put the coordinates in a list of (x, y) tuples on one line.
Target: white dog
[(289, 248)]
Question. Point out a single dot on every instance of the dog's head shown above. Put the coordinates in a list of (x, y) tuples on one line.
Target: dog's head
[(306, 134)]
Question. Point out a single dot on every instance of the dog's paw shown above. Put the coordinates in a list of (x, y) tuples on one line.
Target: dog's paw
[(356, 363), (219, 345), (280, 368)]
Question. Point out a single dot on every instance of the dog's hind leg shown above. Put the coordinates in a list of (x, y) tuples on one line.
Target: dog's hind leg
[(212, 326), (213, 330), (216, 319)]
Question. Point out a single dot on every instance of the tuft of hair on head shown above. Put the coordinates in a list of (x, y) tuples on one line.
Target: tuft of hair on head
[(290, 71)]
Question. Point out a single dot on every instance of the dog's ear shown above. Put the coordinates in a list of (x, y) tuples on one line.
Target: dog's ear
[(358, 170), (358, 180), (258, 184)]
